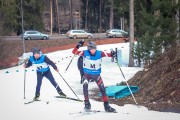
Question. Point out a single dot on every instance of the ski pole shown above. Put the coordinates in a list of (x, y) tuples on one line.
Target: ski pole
[(126, 81), (68, 85), (128, 86), (72, 59), (70, 62), (25, 83), (24, 48)]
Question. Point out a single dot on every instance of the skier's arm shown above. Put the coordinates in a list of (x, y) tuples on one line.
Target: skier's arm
[(105, 54), (28, 64), (112, 54), (48, 61), (75, 50)]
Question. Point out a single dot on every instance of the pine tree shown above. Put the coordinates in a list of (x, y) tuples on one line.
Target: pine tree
[(8, 14), (33, 14), (155, 27)]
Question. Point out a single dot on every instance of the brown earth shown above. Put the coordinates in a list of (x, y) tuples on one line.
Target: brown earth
[(159, 84)]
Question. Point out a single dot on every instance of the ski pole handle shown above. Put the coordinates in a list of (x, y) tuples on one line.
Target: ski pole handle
[(112, 59)]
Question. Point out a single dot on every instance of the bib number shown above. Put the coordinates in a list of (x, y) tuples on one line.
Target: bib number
[(39, 68), (93, 66)]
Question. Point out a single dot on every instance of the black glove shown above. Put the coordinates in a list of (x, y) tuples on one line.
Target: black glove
[(113, 55), (80, 44)]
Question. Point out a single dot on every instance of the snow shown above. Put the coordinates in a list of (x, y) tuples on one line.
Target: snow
[(12, 100)]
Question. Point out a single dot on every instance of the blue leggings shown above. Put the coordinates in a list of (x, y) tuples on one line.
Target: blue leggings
[(50, 77)]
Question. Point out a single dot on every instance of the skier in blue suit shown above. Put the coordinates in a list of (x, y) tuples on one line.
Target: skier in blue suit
[(42, 62)]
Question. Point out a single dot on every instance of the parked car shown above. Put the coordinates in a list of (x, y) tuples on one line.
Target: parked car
[(34, 35), (78, 34), (116, 33)]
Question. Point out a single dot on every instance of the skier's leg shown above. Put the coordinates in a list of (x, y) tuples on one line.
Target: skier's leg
[(81, 80), (85, 91), (100, 84), (50, 77), (85, 86), (82, 74), (38, 85)]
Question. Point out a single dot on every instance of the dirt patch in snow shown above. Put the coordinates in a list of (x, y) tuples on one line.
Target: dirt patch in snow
[(159, 84)]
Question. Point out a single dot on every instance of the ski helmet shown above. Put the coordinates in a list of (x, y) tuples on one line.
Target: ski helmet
[(35, 50), (91, 45)]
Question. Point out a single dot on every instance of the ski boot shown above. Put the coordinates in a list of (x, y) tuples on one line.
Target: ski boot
[(108, 108), (87, 105), (36, 98), (62, 94)]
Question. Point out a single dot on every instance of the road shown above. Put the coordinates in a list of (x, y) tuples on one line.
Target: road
[(58, 37)]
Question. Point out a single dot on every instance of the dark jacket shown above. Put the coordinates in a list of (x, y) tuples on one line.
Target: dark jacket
[(80, 63)]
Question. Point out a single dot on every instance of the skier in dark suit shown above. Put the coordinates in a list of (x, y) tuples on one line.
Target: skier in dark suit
[(80, 67), (42, 62)]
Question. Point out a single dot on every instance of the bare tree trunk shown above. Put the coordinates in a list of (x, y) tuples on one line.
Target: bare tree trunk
[(100, 23), (122, 23), (177, 17), (57, 16), (70, 13), (131, 33), (50, 17), (79, 19), (111, 21), (86, 15)]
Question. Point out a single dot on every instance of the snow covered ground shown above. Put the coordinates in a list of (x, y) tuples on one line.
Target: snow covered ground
[(12, 100)]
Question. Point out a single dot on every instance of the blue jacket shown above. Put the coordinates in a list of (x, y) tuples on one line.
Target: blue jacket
[(41, 64), (92, 63)]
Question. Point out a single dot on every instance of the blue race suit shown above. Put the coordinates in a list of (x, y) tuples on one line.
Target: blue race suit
[(92, 63)]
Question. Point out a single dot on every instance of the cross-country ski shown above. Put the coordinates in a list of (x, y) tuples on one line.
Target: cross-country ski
[(86, 112), (32, 101), (91, 112), (69, 98)]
